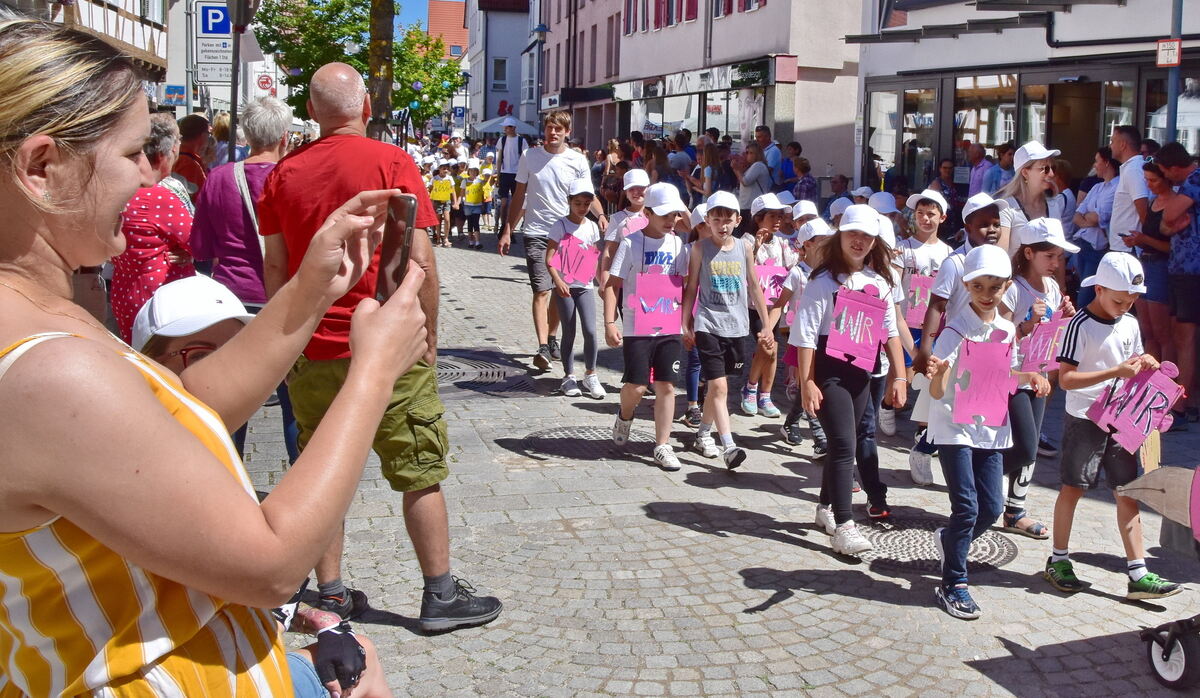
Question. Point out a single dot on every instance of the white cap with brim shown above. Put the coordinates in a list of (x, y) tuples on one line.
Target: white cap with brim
[(1045, 230), (864, 192), (804, 207), (1118, 271), (636, 178), (887, 231), (473, 164), (663, 198), (929, 194), (986, 260), (785, 197), (883, 202), (583, 185), (722, 199), (698, 213), (980, 201), (1031, 151), (185, 307), (767, 202), (509, 121), (839, 206), (816, 228), (862, 218)]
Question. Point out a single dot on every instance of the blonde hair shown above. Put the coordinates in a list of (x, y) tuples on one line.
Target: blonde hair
[(62, 83), (220, 127), (560, 118)]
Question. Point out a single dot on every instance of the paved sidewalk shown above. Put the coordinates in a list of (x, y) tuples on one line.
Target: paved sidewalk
[(621, 579)]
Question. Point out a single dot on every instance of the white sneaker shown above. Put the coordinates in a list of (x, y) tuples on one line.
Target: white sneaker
[(591, 383), (887, 421), (920, 466), (664, 455), (848, 540), (707, 445), (570, 387), (825, 520), (621, 429), (937, 545)]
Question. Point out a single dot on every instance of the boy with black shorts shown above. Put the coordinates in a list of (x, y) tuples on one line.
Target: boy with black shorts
[(721, 275), (655, 357), (1101, 346)]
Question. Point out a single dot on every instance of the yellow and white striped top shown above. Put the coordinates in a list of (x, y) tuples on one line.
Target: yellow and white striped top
[(78, 619)]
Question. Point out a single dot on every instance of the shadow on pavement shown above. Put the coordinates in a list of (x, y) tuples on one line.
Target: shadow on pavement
[(1080, 667), (853, 583), (723, 521)]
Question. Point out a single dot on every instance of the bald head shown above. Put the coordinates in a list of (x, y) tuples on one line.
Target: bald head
[(336, 93)]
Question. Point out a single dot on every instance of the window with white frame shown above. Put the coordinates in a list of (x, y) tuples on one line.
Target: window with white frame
[(154, 10), (499, 74)]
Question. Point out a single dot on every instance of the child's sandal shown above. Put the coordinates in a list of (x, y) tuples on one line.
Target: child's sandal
[(1036, 530)]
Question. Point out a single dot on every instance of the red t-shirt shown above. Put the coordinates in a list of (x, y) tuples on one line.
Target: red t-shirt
[(313, 181)]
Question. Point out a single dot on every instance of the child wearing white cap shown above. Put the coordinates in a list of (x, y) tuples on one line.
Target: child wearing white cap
[(576, 298), (444, 195), (692, 415), (971, 455), (833, 388), (633, 195), (768, 213), (473, 203), (837, 207), (649, 359), (1102, 346)]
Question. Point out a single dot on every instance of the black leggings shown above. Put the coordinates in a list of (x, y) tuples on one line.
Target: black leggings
[(868, 452), (1025, 412), (845, 391), (473, 223)]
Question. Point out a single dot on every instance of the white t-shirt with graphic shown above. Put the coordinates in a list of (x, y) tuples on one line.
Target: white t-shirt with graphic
[(640, 254), (586, 231), (1095, 344)]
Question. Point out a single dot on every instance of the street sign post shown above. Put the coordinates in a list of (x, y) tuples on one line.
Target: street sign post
[(265, 82), (213, 42), (1169, 53)]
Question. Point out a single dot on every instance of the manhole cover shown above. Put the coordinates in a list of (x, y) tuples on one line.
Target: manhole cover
[(582, 443), (907, 546), (466, 373)]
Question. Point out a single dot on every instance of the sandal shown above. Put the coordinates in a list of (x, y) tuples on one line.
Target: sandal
[(1034, 529)]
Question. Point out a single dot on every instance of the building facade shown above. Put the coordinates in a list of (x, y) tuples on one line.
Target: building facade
[(940, 75), (580, 61), (447, 19), (497, 32)]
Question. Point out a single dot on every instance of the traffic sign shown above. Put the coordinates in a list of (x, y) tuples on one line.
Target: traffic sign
[(214, 50), (213, 19), (1169, 53), (214, 72), (265, 82), (174, 95)]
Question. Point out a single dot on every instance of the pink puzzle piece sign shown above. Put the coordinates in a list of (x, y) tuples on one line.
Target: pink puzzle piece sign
[(656, 305), (635, 223), (1135, 407), (920, 289), (1194, 505), (984, 380), (1039, 350), (770, 280), (857, 329), (575, 260)]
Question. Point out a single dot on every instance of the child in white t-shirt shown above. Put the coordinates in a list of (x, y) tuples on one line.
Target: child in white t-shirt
[(577, 297), (767, 213)]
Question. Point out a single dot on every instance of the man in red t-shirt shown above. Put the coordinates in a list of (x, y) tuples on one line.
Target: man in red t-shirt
[(189, 167), (304, 188)]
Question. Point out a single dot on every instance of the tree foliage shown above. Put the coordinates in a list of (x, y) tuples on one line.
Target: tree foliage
[(306, 35)]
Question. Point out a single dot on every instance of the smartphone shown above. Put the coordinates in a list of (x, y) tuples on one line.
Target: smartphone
[(397, 245)]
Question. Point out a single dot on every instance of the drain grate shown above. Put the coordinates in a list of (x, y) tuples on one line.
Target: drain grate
[(908, 546), (463, 373), (581, 443)]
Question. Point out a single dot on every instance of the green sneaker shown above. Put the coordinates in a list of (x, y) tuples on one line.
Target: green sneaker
[(1061, 576), (1151, 586)]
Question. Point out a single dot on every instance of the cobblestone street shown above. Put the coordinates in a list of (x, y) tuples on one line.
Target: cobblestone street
[(621, 579)]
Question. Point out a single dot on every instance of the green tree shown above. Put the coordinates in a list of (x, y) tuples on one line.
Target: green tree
[(306, 35)]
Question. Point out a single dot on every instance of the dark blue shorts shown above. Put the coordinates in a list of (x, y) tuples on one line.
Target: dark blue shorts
[(916, 335)]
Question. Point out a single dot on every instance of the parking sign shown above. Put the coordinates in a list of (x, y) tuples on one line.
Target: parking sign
[(213, 20)]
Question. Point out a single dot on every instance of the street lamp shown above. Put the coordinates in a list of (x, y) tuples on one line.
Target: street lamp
[(539, 37)]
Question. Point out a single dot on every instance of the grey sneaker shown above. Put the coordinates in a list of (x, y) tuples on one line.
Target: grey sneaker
[(734, 456), (570, 387), (552, 345), (706, 445), (664, 455), (542, 358), (621, 428), (591, 383)]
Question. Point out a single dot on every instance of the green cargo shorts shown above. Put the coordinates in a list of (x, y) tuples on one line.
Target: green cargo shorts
[(411, 440)]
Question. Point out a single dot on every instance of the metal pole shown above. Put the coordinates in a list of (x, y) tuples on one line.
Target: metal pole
[(189, 76), (1173, 75), (234, 86)]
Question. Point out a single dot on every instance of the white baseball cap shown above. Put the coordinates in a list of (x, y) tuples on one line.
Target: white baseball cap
[(987, 260), (785, 197), (766, 202), (887, 231), (864, 192), (509, 121), (816, 228), (473, 163), (663, 198), (839, 206), (697, 216), (883, 202), (1045, 230), (456, 133), (583, 185), (185, 307), (722, 199), (636, 178), (490, 156), (804, 207), (862, 218), (1118, 271), (462, 161), (1033, 150), (981, 200), (930, 194)]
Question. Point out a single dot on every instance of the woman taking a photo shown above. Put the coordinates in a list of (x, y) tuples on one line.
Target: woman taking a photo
[(136, 558)]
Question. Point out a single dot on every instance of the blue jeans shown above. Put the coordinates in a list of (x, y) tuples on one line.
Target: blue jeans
[(1088, 261), (692, 375), (975, 480), (290, 430)]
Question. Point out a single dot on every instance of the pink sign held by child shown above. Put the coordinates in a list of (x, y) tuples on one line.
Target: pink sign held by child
[(575, 260), (770, 280), (984, 381), (656, 305), (920, 289), (1039, 350), (635, 223), (857, 329), (1135, 407)]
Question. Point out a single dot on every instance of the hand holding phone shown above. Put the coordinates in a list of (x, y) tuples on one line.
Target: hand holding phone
[(397, 245)]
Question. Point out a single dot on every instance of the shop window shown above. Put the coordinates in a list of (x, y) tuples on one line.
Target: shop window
[(1119, 97), (983, 112), (883, 113), (681, 112), (917, 137), (646, 115), (734, 112), (1034, 105), (1188, 120)]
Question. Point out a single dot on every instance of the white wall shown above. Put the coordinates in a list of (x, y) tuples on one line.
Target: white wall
[(508, 34)]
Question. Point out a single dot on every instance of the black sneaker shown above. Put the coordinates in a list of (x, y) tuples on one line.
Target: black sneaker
[(820, 449), (1047, 449), (464, 610), (692, 417), (791, 434), (349, 605), (957, 601), (555, 353), (543, 358), (879, 512)]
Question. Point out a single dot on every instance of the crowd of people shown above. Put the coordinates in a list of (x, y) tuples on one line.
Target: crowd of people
[(709, 268)]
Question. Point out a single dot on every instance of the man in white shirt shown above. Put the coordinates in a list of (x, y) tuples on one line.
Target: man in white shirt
[(543, 184), (1131, 202), (509, 150)]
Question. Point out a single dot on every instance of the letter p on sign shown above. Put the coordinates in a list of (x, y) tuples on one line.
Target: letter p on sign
[(214, 20)]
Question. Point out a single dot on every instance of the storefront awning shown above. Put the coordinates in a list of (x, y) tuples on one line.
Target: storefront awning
[(1043, 5), (950, 31)]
